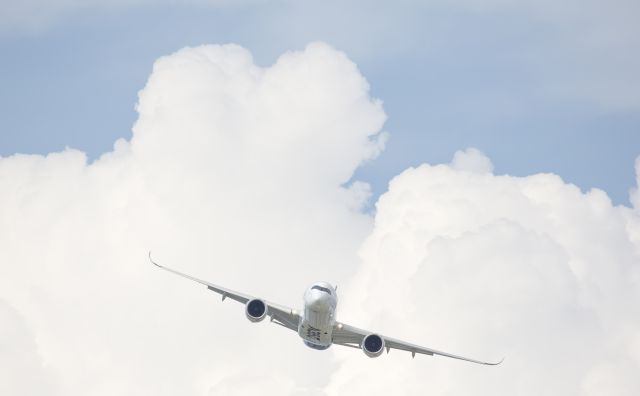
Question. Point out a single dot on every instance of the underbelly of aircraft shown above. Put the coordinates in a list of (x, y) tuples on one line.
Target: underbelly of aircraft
[(316, 346), (315, 329)]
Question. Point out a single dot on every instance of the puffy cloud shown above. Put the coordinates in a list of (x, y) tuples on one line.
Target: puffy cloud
[(488, 265), (241, 175), (22, 371), (236, 174), (635, 193), (471, 160)]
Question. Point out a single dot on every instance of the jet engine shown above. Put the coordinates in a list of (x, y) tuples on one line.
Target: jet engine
[(373, 345), (256, 310)]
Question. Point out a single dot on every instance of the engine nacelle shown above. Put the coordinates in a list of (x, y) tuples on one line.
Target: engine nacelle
[(256, 310), (372, 345)]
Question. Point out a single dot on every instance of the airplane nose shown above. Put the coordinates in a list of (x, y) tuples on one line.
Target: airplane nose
[(318, 300)]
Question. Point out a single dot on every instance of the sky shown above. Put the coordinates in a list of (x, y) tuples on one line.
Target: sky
[(466, 172), (537, 86)]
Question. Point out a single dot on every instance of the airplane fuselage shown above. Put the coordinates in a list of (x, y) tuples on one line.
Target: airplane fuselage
[(319, 316)]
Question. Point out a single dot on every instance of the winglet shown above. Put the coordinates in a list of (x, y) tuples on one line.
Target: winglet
[(153, 262), (494, 364)]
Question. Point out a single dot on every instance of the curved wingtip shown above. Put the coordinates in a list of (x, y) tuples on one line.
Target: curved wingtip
[(153, 262), (496, 363)]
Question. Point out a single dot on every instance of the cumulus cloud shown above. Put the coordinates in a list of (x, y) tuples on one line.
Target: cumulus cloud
[(236, 174), (490, 265), (22, 371), (471, 160), (241, 175), (635, 193)]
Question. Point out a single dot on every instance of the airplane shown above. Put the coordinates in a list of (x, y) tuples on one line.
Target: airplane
[(316, 324)]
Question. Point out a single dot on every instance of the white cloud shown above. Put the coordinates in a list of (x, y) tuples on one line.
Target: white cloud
[(471, 160), (21, 369), (634, 196), (487, 265), (234, 174)]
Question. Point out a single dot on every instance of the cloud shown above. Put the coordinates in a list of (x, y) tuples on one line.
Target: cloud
[(236, 174), (22, 371), (634, 196), (241, 175), (471, 160), (486, 265)]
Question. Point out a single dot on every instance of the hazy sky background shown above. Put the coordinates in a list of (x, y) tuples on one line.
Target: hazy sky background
[(537, 86), (254, 165)]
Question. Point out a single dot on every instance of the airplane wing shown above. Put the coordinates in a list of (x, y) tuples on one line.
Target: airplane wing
[(346, 335), (279, 314)]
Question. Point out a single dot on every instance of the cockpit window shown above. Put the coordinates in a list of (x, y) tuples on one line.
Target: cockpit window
[(324, 289)]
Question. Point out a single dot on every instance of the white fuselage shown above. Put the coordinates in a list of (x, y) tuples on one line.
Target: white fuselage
[(319, 316)]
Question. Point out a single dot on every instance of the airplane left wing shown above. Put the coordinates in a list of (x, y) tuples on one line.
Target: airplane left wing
[(279, 314), (346, 335)]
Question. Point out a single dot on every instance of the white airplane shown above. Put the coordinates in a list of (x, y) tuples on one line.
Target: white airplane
[(316, 324)]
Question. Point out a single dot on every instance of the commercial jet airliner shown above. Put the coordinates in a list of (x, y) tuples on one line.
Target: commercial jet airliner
[(316, 324)]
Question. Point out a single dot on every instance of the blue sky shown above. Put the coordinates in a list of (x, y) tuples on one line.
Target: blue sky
[(538, 87)]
